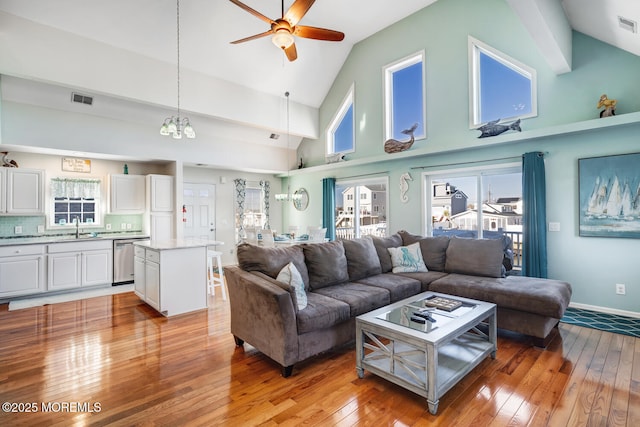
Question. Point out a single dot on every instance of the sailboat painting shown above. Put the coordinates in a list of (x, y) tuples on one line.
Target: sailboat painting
[(610, 196)]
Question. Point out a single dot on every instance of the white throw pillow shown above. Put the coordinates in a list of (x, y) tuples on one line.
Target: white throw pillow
[(291, 276), (407, 259)]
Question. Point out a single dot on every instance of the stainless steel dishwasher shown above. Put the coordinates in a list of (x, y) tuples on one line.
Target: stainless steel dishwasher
[(123, 260)]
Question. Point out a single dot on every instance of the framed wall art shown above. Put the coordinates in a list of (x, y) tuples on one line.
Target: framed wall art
[(610, 196)]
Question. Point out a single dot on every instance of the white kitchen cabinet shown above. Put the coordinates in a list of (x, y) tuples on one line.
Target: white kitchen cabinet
[(161, 226), (77, 264), (174, 278), (139, 282), (97, 267), (65, 271), (22, 191), (3, 190), (127, 194), (152, 281), (22, 270), (160, 193)]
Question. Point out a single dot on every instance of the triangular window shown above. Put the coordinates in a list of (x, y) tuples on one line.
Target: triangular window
[(500, 87), (340, 133)]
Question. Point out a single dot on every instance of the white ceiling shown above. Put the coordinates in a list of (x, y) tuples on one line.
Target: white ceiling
[(148, 28)]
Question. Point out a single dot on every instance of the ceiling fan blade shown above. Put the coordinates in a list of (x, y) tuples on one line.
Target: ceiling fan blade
[(297, 10), (252, 11), (291, 52), (257, 36), (318, 33)]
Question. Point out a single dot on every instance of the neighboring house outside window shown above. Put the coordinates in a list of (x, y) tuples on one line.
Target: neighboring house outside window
[(358, 212), (477, 203)]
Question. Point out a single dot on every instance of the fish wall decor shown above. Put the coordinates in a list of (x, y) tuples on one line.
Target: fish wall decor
[(493, 128)]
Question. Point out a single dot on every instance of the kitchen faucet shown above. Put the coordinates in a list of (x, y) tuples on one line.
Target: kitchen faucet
[(77, 221)]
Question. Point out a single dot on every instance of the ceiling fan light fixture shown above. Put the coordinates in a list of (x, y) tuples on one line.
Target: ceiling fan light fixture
[(282, 38)]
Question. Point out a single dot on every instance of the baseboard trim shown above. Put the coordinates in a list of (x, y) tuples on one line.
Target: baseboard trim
[(606, 310)]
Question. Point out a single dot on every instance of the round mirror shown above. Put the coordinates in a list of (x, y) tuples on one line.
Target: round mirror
[(301, 199)]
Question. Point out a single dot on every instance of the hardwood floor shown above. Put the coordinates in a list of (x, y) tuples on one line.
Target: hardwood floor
[(114, 361)]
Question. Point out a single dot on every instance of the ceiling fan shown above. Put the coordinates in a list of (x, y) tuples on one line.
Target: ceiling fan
[(283, 29)]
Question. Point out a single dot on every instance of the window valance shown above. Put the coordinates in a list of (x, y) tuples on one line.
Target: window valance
[(75, 188)]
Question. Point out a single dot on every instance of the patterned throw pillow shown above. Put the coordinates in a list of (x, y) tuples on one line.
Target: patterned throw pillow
[(407, 259), (291, 276)]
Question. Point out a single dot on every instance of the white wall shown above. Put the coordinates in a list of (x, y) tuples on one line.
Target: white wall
[(225, 202)]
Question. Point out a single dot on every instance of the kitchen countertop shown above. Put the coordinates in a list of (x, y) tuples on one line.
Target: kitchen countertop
[(67, 238), (178, 243)]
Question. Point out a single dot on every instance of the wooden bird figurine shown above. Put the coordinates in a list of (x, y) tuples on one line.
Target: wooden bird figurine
[(609, 106)]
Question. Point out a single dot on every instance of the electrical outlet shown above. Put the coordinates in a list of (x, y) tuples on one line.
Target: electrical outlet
[(123, 226), (128, 226), (41, 229), (108, 226), (18, 229), (621, 289)]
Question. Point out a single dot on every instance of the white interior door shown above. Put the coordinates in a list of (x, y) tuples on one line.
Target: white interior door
[(199, 213)]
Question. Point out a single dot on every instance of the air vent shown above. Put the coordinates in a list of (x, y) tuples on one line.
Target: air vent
[(274, 136), (81, 99), (628, 24)]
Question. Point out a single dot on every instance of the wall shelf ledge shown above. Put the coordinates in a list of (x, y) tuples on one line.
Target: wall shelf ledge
[(504, 139)]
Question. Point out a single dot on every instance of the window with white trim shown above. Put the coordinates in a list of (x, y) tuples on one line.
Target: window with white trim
[(341, 130), (405, 97), (361, 208), (500, 87), (476, 202), (75, 199)]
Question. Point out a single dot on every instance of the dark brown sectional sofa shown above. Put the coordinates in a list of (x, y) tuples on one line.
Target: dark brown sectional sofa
[(343, 279)]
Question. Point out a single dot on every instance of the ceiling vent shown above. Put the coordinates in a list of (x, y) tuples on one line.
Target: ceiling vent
[(81, 99), (628, 24)]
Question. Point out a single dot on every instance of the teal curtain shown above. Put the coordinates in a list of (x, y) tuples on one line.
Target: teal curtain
[(329, 207), (534, 248)]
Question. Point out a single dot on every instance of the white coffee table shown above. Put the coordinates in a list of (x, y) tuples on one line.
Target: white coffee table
[(427, 358)]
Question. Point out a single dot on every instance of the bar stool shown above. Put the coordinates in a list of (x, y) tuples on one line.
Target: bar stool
[(212, 280)]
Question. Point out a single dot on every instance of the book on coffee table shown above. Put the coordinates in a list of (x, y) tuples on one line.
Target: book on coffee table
[(445, 304)]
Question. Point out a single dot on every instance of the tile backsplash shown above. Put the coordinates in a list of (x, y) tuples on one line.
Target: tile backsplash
[(30, 226)]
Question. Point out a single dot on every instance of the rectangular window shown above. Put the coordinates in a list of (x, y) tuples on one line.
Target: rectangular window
[(477, 203), (73, 199), (357, 213), (67, 210), (405, 97), (500, 88), (253, 208), (341, 130)]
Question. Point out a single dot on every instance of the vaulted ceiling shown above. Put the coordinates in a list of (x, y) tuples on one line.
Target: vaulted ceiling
[(257, 70)]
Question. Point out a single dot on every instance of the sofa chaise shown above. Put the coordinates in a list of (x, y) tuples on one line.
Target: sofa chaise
[(294, 302)]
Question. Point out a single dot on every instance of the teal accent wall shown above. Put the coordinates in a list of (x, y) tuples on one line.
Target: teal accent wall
[(592, 265)]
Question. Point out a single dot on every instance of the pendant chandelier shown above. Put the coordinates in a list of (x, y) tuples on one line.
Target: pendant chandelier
[(176, 125), (287, 197)]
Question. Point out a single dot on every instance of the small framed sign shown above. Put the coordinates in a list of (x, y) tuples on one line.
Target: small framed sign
[(71, 164)]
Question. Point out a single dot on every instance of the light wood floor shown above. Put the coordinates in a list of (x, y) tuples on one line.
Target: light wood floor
[(131, 366)]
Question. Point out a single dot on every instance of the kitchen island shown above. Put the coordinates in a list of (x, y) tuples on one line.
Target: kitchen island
[(171, 275)]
